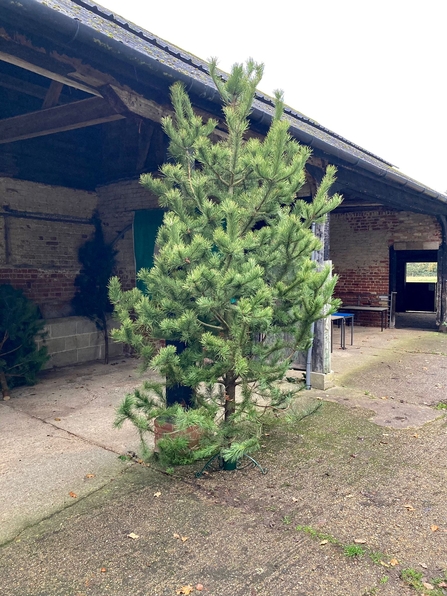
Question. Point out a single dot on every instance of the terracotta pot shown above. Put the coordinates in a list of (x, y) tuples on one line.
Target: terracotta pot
[(167, 427)]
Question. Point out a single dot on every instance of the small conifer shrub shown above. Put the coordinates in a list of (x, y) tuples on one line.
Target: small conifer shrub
[(21, 324)]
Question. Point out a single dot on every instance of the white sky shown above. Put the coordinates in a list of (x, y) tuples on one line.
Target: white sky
[(371, 71)]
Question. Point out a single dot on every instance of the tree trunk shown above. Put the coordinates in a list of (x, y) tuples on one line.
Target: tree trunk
[(230, 399), (4, 386)]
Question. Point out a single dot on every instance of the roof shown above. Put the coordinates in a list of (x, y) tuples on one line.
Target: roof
[(134, 44)]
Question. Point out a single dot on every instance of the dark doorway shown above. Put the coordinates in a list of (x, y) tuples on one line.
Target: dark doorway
[(413, 278)]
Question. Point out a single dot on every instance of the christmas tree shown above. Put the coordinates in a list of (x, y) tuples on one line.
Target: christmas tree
[(233, 278)]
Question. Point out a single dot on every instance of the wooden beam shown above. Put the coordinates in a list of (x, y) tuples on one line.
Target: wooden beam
[(79, 114), (137, 105), (124, 100), (53, 95), (43, 64)]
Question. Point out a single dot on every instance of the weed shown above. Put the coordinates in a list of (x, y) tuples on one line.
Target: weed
[(384, 579), (169, 470), (286, 520), (414, 579), (367, 392), (124, 457), (353, 550), (441, 406), (316, 534), (377, 557)]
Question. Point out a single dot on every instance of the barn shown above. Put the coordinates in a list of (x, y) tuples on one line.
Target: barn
[(82, 95)]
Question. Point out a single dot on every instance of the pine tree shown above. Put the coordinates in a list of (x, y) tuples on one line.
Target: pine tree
[(91, 300), (20, 325), (233, 278)]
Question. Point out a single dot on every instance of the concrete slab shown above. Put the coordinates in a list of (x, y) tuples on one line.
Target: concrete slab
[(58, 438)]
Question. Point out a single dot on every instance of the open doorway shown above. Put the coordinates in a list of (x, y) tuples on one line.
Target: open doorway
[(413, 276)]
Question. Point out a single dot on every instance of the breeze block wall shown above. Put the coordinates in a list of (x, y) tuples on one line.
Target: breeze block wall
[(117, 204), (360, 243), (41, 230)]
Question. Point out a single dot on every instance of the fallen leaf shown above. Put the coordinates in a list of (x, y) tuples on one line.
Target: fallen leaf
[(442, 585), (199, 587), (409, 507), (57, 419), (294, 499), (423, 565), (349, 496), (384, 564), (434, 528), (176, 536), (385, 397), (428, 586), (184, 538), (73, 495), (157, 494), (416, 436), (103, 569), (323, 542), (394, 562), (359, 541), (89, 475), (133, 536), (185, 590)]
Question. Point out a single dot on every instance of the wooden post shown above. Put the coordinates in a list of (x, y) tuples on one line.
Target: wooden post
[(321, 353), (441, 314)]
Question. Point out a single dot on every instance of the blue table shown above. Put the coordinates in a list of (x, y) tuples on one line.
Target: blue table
[(343, 318)]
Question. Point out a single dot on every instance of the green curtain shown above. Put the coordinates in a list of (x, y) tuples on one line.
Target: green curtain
[(145, 228)]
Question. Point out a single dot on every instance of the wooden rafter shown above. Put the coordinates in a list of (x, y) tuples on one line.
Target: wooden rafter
[(53, 95), (79, 114)]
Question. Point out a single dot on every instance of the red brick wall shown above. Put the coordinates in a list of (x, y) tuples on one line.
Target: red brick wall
[(40, 256), (359, 250)]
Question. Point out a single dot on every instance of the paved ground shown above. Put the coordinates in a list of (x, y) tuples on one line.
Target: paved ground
[(57, 438), (373, 471)]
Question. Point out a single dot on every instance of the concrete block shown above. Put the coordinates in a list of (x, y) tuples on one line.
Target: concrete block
[(322, 381), (430, 245), (96, 338), (90, 353), (62, 328), (85, 326), (63, 359), (83, 340), (55, 345), (71, 342)]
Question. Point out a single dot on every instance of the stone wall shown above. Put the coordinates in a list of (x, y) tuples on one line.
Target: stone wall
[(360, 243)]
